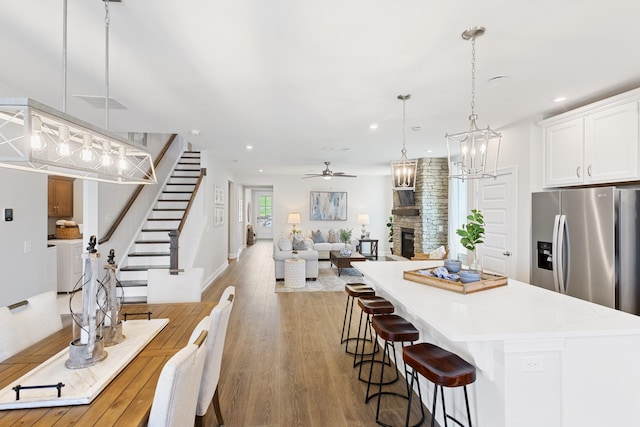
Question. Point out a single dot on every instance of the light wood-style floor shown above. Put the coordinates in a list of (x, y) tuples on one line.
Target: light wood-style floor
[(283, 364)]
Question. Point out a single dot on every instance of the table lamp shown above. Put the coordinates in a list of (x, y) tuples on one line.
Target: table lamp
[(294, 218), (363, 219)]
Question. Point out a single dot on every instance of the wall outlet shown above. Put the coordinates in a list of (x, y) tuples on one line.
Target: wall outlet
[(533, 363), (27, 246)]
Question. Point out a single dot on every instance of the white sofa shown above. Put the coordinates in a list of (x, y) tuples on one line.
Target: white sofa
[(282, 251), (325, 246)]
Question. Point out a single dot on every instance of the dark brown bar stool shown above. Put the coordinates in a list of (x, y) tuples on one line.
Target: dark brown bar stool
[(370, 305), (391, 328), (444, 369), (354, 290)]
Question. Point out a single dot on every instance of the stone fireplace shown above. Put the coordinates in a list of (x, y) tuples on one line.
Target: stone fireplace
[(427, 218)]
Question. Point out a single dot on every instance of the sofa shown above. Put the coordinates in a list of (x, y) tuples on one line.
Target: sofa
[(325, 241), (283, 248)]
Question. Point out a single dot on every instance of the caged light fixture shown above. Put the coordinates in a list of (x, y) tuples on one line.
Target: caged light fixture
[(38, 138), (470, 152), (403, 172)]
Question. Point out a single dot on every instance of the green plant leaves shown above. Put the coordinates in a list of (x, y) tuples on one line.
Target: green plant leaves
[(472, 233)]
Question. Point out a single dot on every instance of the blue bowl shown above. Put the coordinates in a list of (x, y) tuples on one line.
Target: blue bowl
[(453, 265), (469, 276)]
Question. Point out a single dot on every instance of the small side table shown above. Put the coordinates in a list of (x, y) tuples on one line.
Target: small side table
[(373, 248), (294, 272)]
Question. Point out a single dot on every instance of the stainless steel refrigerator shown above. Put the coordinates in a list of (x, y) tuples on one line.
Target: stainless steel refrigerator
[(585, 244)]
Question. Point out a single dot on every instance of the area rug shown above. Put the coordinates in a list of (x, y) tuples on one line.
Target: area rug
[(327, 280)]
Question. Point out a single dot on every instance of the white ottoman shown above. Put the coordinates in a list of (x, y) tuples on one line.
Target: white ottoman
[(294, 273)]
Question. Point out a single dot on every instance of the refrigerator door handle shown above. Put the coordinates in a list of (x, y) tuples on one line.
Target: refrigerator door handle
[(554, 253), (560, 251)]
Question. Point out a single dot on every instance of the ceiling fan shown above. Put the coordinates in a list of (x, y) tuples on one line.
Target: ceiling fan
[(328, 174)]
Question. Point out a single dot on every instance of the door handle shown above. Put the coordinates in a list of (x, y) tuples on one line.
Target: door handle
[(578, 171), (506, 253), (589, 170)]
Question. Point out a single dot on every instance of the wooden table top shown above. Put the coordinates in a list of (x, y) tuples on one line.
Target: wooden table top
[(127, 399)]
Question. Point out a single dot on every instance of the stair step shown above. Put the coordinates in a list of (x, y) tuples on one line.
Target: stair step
[(134, 300), (176, 192), (144, 267), (150, 254), (164, 219), (173, 200), (168, 209), (132, 283), (156, 230), (152, 242)]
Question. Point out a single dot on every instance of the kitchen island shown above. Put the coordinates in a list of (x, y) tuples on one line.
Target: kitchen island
[(542, 358)]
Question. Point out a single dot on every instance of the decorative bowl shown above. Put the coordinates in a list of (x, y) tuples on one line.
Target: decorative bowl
[(453, 265), (469, 276)]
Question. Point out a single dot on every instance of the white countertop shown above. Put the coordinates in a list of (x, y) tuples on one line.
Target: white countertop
[(515, 311), (63, 241)]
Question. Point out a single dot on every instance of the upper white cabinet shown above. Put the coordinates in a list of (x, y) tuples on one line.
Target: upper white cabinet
[(595, 144)]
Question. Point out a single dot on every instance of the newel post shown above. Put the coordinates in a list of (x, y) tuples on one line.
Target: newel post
[(173, 251)]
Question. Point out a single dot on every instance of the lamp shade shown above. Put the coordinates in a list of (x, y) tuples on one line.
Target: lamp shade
[(363, 219), (294, 218)]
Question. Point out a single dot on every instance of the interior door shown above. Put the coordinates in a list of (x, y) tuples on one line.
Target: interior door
[(497, 202), (263, 202)]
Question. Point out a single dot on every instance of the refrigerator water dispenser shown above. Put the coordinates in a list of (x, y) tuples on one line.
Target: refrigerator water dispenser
[(545, 255)]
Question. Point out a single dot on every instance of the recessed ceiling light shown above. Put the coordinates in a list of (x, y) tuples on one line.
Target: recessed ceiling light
[(249, 147), (373, 126), (345, 149), (416, 128), (429, 151), (194, 131), (559, 99), (260, 170)]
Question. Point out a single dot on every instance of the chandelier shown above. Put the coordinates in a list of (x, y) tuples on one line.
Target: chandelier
[(470, 152), (38, 138), (403, 172)]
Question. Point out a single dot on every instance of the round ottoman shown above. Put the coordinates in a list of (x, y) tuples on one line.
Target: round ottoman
[(294, 272)]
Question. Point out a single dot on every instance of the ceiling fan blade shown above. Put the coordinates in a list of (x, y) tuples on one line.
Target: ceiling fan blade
[(344, 175), (311, 175)]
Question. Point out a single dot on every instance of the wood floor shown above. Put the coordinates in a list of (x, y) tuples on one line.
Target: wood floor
[(283, 364)]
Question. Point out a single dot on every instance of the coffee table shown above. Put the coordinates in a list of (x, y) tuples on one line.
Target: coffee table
[(344, 261)]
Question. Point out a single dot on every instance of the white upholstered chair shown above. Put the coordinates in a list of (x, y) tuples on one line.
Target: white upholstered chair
[(27, 322), (176, 393), (209, 386)]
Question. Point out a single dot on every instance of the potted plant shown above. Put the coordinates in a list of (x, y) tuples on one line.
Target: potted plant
[(345, 237), (472, 234)]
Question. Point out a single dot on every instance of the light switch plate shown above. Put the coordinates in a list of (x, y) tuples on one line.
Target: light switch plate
[(8, 214)]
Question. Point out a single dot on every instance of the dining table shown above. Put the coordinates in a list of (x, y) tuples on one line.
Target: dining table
[(127, 399)]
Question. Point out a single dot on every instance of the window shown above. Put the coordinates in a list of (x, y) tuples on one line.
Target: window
[(457, 216)]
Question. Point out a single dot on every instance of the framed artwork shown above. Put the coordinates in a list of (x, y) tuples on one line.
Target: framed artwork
[(218, 197), (328, 206), (219, 216)]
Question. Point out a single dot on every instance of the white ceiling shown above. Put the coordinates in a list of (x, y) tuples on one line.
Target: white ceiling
[(302, 81)]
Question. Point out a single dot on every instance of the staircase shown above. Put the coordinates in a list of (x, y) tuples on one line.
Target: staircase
[(151, 248)]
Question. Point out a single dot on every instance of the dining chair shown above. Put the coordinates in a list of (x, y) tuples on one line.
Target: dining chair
[(176, 396), (208, 393)]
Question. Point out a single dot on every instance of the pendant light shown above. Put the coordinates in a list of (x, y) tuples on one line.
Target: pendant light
[(37, 138), (470, 152), (403, 172)]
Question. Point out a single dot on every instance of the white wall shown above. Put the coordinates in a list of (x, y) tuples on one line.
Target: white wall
[(23, 274), (365, 194)]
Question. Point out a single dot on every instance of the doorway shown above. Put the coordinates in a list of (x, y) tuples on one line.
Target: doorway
[(262, 204)]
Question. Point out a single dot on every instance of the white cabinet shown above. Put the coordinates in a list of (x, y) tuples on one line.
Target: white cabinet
[(564, 153), (69, 263), (593, 145)]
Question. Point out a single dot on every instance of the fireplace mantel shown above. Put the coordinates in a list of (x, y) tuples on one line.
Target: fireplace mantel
[(406, 212)]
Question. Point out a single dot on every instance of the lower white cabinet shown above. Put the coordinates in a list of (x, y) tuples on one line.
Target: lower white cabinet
[(69, 263)]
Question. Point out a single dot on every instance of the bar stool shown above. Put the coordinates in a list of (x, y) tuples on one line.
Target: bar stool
[(444, 369), (391, 328), (370, 305), (354, 290)]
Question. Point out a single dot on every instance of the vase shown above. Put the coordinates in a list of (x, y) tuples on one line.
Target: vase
[(345, 251), (475, 262)]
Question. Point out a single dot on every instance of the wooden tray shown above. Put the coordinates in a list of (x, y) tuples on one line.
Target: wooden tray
[(488, 281)]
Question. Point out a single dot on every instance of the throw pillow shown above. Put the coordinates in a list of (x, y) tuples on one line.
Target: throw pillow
[(333, 237), (317, 237), (298, 243), (284, 244)]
